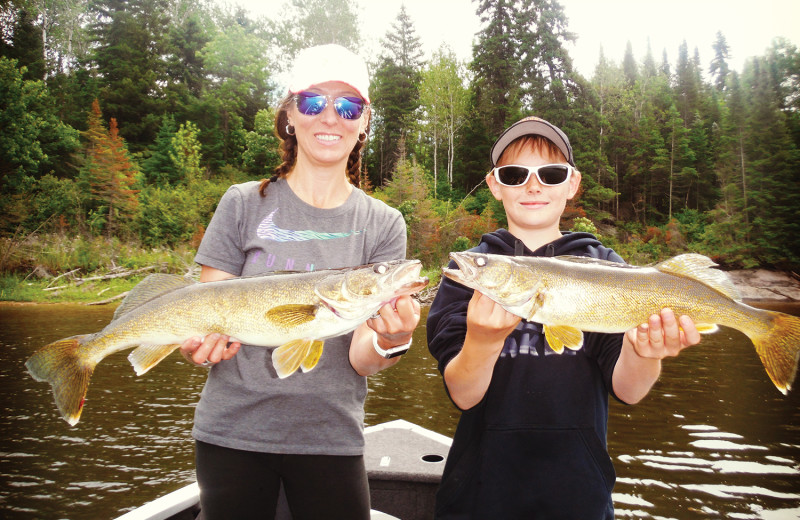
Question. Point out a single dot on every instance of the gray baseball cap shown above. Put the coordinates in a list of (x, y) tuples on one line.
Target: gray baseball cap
[(532, 126)]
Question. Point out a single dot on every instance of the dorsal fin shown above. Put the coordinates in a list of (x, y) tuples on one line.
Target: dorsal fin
[(150, 288), (700, 268)]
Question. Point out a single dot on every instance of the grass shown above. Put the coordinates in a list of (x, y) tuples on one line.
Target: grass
[(29, 266), (16, 289)]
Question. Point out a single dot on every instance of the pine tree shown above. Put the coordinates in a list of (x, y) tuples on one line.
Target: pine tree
[(130, 59), (110, 174), (159, 169), (494, 63), (719, 69), (395, 96)]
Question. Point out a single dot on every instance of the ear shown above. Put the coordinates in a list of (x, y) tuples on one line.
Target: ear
[(365, 119), (494, 187), (574, 184)]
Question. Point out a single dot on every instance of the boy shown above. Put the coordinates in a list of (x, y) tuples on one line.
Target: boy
[(531, 441)]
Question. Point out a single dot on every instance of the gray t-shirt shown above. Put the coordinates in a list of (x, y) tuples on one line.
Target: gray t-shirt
[(244, 405)]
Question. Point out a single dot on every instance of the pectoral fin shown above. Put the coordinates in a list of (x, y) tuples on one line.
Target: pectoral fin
[(706, 328), (560, 336), (145, 357), (292, 315), (298, 353)]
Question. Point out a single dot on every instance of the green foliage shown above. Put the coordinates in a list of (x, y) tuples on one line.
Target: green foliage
[(261, 154), (173, 216), (583, 224), (395, 97), (32, 138), (159, 168), (185, 153), (669, 161)]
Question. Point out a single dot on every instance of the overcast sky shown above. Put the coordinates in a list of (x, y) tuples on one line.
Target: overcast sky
[(748, 26)]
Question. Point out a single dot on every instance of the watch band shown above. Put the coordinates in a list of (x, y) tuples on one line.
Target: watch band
[(390, 353)]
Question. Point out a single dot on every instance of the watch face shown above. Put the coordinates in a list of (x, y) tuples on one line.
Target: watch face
[(391, 353)]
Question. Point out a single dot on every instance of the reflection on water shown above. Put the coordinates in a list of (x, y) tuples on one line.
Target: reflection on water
[(713, 440)]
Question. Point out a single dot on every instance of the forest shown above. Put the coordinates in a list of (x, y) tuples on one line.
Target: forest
[(123, 122)]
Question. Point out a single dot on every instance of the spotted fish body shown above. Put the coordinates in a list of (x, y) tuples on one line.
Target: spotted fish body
[(295, 312), (568, 295)]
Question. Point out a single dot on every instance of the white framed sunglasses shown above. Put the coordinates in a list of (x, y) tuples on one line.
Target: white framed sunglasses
[(518, 175)]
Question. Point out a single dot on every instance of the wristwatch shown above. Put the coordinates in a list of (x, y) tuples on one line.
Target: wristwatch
[(390, 353)]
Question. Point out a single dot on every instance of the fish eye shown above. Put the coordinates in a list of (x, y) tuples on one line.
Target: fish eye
[(480, 261), (380, 268)]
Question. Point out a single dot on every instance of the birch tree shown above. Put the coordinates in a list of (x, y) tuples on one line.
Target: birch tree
[(445, 102)]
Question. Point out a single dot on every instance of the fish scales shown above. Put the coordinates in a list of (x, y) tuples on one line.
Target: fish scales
[(569, 295), (581, 299)]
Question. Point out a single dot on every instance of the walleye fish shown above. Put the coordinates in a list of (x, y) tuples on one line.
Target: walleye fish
[(570, 294), (295, 312)]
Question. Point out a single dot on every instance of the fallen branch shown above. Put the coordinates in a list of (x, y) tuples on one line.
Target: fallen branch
[(109, 300), (117, 275), (63, 275), (79, 281)]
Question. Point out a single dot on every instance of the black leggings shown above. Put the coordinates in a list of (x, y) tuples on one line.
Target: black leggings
[(241, 485)]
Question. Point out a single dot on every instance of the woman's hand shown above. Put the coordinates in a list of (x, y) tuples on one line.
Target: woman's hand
[(395, 323), (208, 351)]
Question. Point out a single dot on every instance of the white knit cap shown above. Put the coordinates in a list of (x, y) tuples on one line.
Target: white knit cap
[(330, 62)]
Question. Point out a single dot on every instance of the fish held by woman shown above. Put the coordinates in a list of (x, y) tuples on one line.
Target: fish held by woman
[(295, 312), (569, 294)]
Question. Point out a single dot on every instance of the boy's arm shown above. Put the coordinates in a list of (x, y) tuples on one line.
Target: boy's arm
[(643, 348), (469, 373)]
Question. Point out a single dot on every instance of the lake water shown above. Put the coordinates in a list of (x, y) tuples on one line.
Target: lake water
[(714, 439)]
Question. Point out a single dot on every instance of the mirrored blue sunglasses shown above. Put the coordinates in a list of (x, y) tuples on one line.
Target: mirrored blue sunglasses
[(312, 104)]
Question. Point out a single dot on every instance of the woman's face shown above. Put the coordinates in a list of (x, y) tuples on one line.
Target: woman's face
[(326, 139)]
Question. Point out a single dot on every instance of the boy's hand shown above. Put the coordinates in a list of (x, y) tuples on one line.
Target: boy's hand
[(487, 321), (663, 335)]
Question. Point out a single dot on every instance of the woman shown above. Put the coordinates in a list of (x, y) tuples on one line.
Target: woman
[(252, 429)]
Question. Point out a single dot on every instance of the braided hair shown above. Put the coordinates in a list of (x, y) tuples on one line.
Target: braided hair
[(289, 149)]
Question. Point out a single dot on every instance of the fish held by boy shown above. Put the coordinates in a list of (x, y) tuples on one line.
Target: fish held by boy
[(570, 294), (295, 312)]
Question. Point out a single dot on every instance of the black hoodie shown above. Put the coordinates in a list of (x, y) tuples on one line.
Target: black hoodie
[(535, 446)]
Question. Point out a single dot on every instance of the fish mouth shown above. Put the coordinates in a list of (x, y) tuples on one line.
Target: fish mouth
[(411, 271), (466, 272)]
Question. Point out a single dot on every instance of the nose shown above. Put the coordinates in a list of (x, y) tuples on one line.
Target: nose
[(329, 114), (533, 185)]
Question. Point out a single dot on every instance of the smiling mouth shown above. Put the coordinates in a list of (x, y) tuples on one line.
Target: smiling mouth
[(328, 137)]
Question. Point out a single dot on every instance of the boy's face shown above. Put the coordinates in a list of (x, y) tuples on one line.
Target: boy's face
[(532, 207)]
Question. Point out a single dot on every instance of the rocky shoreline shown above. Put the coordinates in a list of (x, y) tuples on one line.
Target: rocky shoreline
[(765, 285)]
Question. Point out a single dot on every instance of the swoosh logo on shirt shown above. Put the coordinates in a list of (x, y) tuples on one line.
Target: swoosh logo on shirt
[(269, 231)]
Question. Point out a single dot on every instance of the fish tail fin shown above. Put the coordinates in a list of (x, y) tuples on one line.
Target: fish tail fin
[(779, 349), (299, 353), (64, 365)]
